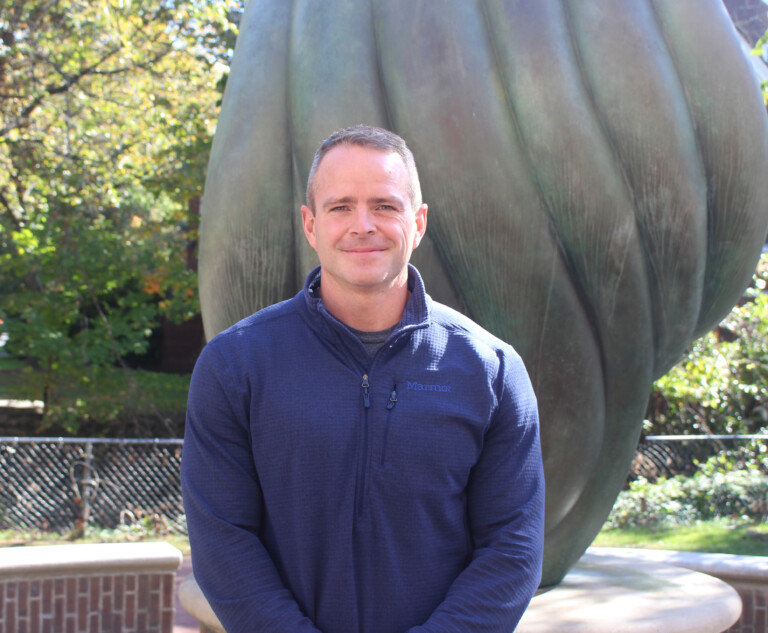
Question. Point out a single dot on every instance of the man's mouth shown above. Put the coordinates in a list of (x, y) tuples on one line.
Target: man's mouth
[(363, 249)]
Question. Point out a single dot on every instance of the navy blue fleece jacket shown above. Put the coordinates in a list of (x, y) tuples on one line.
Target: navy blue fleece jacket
[(328, 490)]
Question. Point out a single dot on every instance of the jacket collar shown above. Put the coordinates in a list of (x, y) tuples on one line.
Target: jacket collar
[(415, 315)]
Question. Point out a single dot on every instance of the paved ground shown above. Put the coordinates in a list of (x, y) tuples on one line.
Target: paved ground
[(183, 622)]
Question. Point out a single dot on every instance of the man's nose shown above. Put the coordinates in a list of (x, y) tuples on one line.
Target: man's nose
[(363, 221)]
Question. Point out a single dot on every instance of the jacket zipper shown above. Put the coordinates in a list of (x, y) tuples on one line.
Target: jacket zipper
[(366, 394), (364, 460), (390, 405)]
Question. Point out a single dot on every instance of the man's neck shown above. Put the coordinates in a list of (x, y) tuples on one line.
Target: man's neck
[(366, 311)]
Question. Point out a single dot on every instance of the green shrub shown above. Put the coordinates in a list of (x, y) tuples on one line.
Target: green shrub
[(721, 384), (715, 491)]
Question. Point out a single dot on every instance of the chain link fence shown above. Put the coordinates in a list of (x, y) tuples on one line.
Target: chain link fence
[(665, 456), (57, 484)]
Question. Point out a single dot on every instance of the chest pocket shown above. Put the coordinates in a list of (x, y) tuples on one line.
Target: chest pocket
[(431, 437)]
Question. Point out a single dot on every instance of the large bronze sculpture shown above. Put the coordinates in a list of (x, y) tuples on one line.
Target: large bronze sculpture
[(597, 175)]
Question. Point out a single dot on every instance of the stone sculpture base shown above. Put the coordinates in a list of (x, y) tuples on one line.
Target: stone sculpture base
[(603, 593)]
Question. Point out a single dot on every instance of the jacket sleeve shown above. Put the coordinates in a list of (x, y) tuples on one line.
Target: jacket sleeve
[(505, 507), (223, 504)]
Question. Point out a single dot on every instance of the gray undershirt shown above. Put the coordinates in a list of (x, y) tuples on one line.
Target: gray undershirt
[(373, 340)]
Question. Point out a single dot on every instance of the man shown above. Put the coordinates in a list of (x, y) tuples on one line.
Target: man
[(360, 458)]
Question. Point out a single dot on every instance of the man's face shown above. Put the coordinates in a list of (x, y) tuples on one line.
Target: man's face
[(364, 227)]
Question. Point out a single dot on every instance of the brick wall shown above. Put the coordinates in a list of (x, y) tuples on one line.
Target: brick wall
[(100, 588), (754, 610), (99, 603)]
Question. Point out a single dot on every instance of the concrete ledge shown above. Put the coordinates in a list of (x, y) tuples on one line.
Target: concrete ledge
[(99, 558)]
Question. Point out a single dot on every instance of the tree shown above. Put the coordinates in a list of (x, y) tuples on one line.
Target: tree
[(108, 108)]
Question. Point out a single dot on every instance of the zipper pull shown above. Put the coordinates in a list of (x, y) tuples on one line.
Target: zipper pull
[(366, 395), (392, 398)]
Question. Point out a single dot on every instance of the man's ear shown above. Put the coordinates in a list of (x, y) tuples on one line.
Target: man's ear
[(308, 223), (421, 224)]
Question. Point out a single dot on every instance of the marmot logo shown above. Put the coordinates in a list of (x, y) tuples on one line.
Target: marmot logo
[(417, 386)]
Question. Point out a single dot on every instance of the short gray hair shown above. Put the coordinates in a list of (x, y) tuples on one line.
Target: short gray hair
[(373, 138)]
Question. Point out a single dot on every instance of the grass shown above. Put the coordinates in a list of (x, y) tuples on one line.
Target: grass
[(717, 536)]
